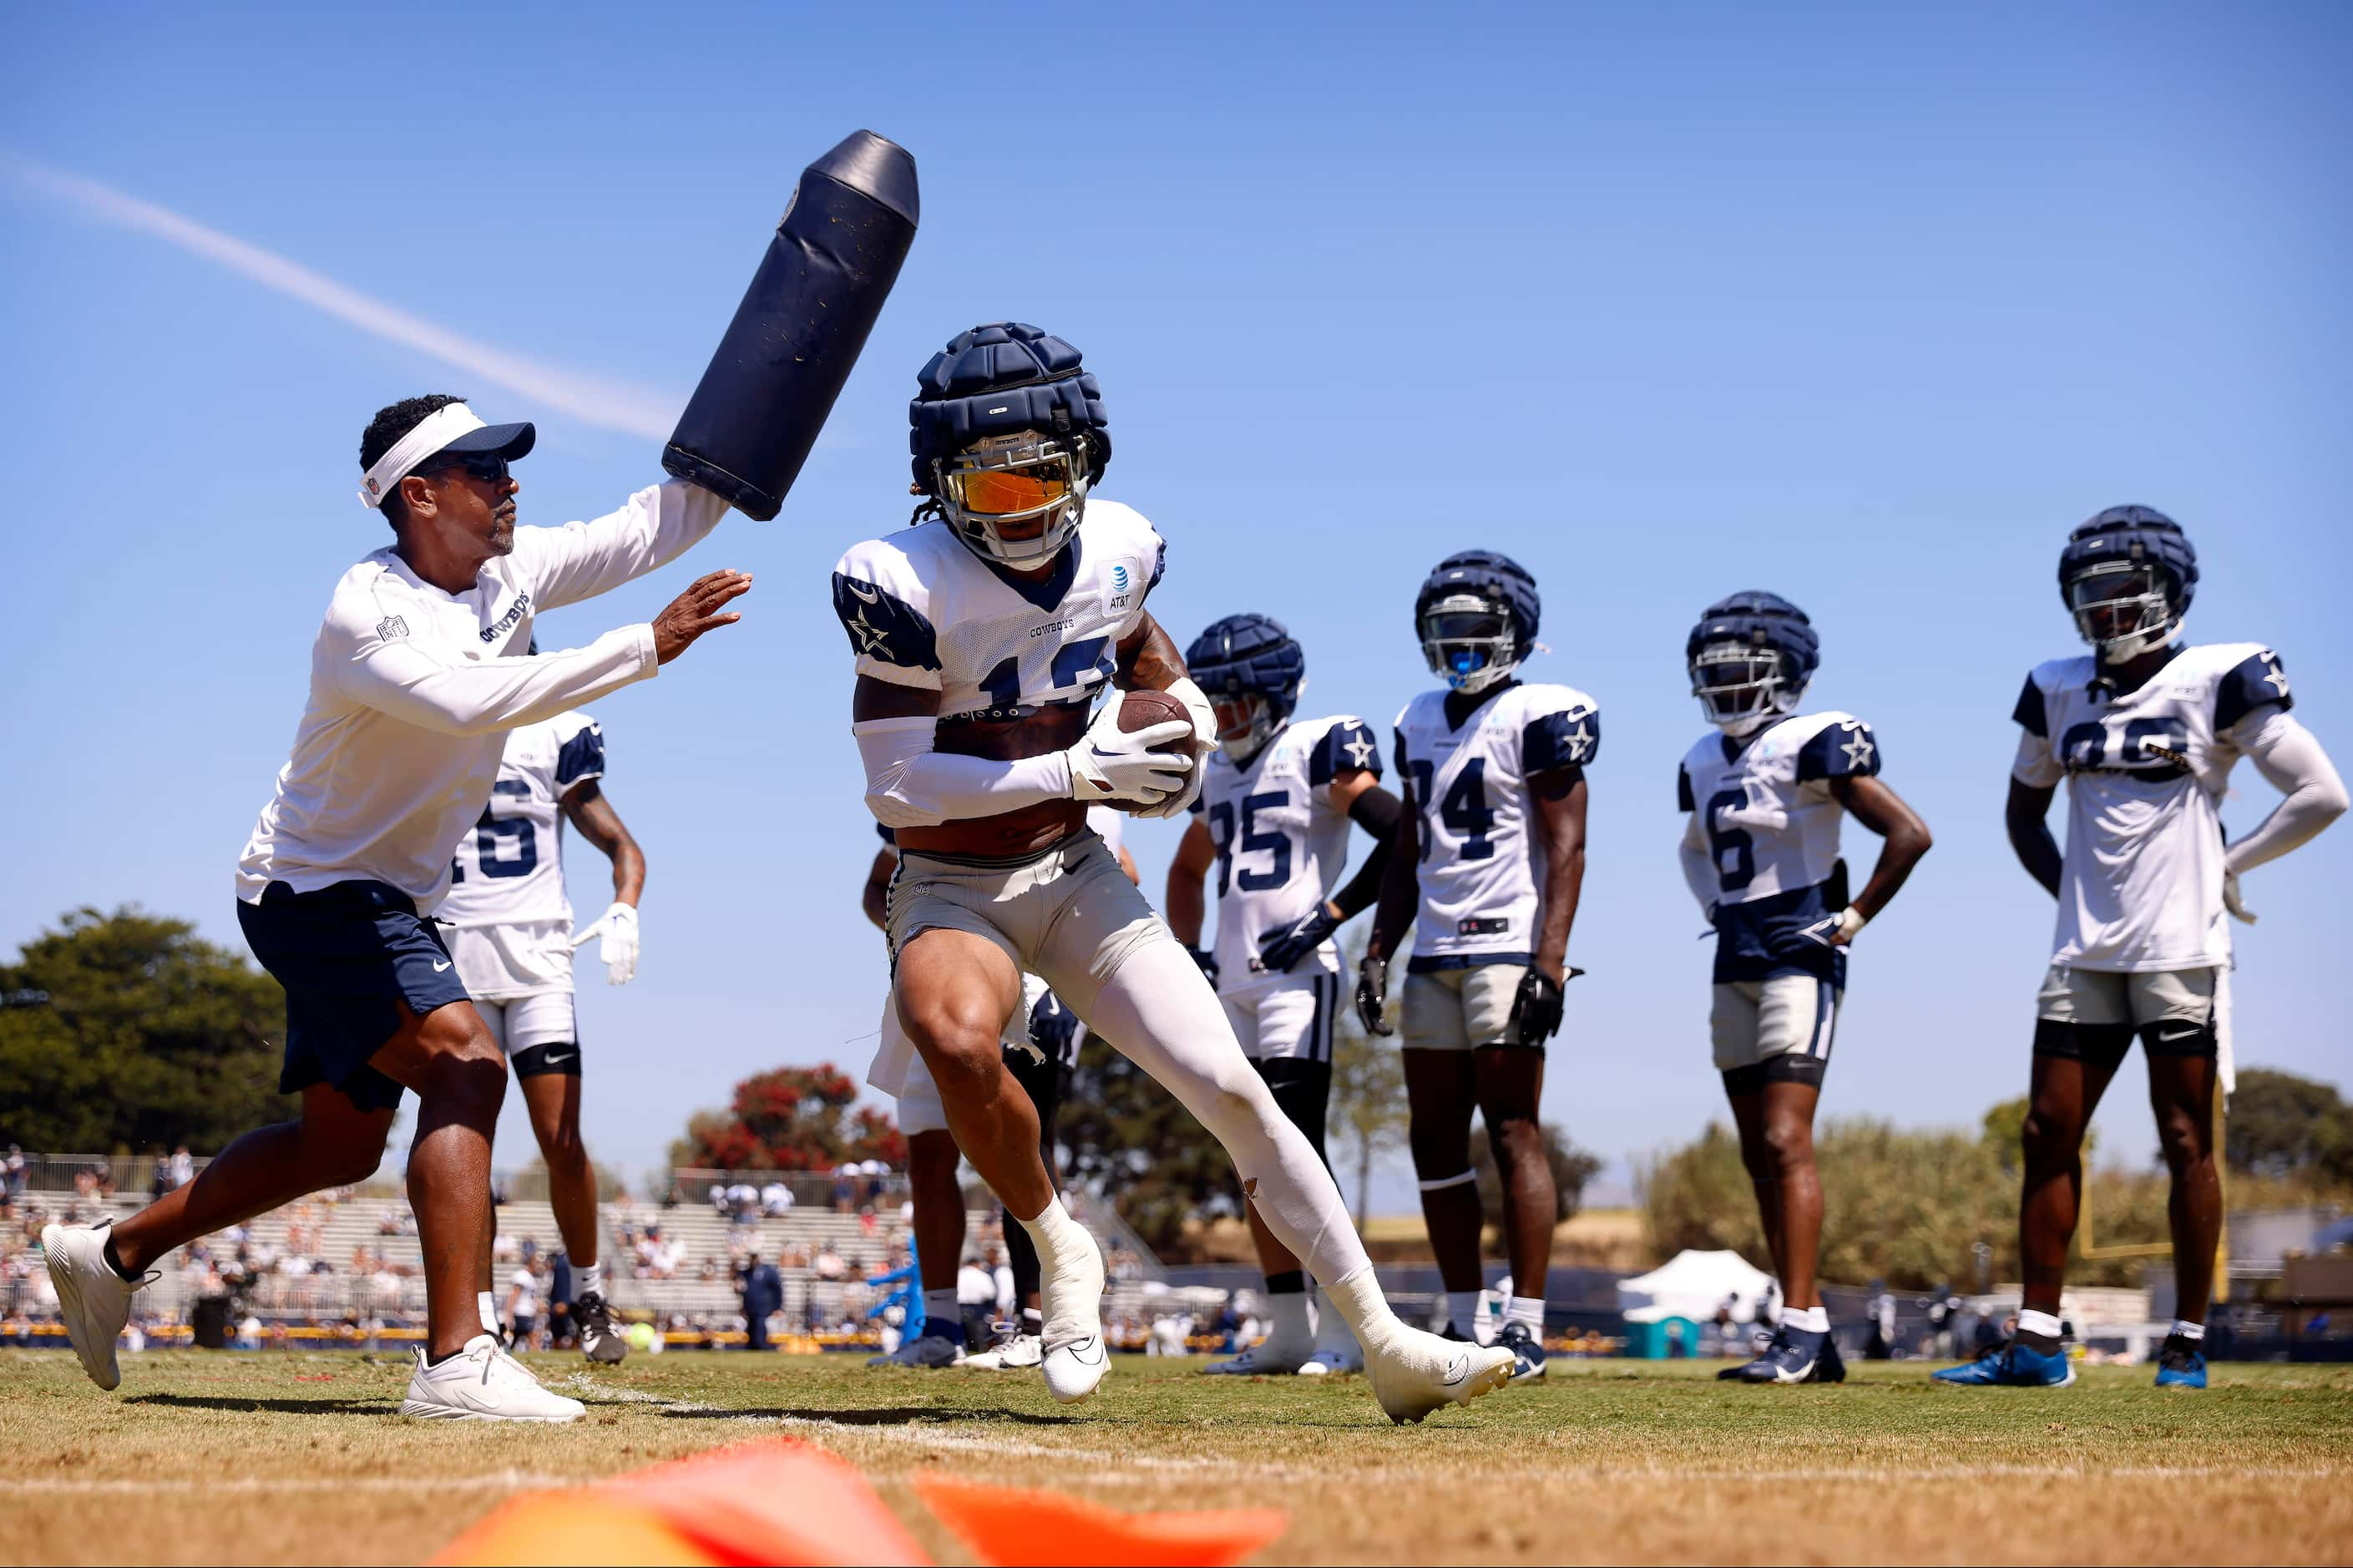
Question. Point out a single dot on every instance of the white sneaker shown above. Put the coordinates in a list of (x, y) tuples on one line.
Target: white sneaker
[(1336, 1346), (1075, 1357), (482, 1383), (1015, 1354), (1415, 1373), (94, 1300), (1264, 1359)]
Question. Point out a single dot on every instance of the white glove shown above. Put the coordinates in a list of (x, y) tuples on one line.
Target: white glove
[(618, 927), (1205, 740), (1111, 765), (1839, 930), (2239, 911)]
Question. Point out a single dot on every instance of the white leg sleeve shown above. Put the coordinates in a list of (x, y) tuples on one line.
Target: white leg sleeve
[(1158, 1010)]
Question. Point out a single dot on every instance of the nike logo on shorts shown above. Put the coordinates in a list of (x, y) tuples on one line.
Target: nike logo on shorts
[(440, 964)]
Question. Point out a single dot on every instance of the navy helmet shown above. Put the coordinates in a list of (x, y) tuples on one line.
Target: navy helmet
[(1750, 657), (1249, 659), (2127, 576), (1476, 617), (1007, 425)]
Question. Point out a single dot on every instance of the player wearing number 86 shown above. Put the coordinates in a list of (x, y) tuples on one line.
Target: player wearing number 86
[(1764, 791), (1489, 862)]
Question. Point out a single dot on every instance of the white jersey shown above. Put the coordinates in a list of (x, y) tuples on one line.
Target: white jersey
[(923, 610), (1282, 842), (2141, 884), (413, 690), (1483, 844), (509, 871), (1765, 816)]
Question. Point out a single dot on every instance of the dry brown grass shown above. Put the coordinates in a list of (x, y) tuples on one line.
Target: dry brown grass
[(296, 1458)]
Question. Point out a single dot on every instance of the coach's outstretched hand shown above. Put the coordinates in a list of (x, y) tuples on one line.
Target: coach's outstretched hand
[(697, 611)]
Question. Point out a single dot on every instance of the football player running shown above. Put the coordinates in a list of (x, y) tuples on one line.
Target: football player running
[(1487, 865), (510, 932), (983, 634), (1763, 793), (1273, 816), (1042, 1047), (2144, 730)]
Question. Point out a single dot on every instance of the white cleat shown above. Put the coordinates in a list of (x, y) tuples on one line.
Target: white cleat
[(1075, 1357), (1017, 1354), (94, 1300), (1264, 1359), (1330, 1360), (482, 1383), (1415, 1373)]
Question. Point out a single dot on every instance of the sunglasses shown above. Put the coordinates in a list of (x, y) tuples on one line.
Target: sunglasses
[(488, 466)]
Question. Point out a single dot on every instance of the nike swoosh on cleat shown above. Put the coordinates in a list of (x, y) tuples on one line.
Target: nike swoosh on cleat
[(1078, 1350), (1459, 1368)]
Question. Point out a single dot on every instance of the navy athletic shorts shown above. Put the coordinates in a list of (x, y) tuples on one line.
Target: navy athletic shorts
[(345, 954)]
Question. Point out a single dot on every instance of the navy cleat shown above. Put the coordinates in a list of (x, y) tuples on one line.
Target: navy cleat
[(1794, 1355), (1832, 1368), (929, 1351), (1529, 1360), (2013, 1365), (2181, 1363)]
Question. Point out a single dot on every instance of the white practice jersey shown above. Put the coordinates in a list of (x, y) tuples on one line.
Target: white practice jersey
[(509, 871), (2141, 884), (1764, 816), (1282, 842), (1482, 844), (413, 691), (921, 609)]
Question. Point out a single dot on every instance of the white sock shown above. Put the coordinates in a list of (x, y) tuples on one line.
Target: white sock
[(2033, 1322), (1058, 1236), (487, 1311), (2193, 1333), (1812, 1319), (1528, 1312), (1287, 1325), (1463, 1312), (587, 1279), (943, 1314), (1359, 1301), (1331, 1328)]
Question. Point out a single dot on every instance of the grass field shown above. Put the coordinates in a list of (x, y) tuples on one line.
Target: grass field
[(296, 1458)]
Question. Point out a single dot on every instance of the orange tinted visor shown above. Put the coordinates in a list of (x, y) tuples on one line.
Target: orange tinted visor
[(1001, 492)]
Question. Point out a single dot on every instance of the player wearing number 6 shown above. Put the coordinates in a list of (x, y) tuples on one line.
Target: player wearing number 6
[(1491, 852), (510, 932), (2145, 732), (1765, 790)]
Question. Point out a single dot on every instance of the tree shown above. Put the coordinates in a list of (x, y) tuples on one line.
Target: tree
[(791, 1119), (2281, 1125), (125, 1032), (1369, 1118)]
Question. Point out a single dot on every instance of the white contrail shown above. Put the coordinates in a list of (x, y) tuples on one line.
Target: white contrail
[(613, 406)]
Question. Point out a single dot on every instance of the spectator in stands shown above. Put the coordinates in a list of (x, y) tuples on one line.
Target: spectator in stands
[(845, 1188), (827, 1263), (12, 1171), (763, 1292), (183, 1166), (975, 1301), (776, 1198), (719, 1199)]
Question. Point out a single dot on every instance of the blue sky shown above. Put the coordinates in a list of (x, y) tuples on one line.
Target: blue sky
[(1864, 305)]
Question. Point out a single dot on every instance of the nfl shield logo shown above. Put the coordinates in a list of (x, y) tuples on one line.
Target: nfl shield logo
[(391, 626)]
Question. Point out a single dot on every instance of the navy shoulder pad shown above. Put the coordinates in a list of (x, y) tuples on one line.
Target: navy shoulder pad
[(1347, 745), (2258, 681), (1566, 739), (1841, 751), (581, 757), (881, 625), (2029, 711), (1684, 799)]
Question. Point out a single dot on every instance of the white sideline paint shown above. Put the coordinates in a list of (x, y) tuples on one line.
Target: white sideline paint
[(609, 404)]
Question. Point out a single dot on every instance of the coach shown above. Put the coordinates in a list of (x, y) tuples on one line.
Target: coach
[(416, 675)]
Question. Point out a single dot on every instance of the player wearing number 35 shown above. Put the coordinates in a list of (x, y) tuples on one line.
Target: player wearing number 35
[(1765, 791), (416, 677), (2145, 731)]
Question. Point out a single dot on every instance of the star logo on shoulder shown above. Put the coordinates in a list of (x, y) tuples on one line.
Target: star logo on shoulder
[(1579, 741), (2277, 677), (1360, 751), (869, 636), (1858, 749)]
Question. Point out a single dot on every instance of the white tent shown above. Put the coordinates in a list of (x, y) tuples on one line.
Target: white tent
[(1694, 1285)]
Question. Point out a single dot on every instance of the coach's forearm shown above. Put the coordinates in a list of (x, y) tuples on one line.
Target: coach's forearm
[(498, 693)]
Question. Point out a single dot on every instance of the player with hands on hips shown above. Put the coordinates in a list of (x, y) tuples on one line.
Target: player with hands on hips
[(1488, 865), (2144, 730), (1273, 818), (1763, 793), (984, 635)]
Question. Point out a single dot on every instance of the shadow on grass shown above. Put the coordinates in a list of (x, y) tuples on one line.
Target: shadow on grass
[(275, 1407), (890, 1418)]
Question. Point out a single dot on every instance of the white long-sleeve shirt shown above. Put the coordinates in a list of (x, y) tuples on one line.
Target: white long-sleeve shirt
[(413, 690)]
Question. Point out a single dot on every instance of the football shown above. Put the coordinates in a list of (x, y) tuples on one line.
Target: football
[(1142, 709)]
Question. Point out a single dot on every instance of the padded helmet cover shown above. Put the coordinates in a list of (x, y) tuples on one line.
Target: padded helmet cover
[(1249, 656), (2132, 533), (1760, 620), (997, 379), (1490, 574)]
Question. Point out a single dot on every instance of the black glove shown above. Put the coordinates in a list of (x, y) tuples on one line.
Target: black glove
[(1373, 995), (1052, 1026), (1535, 1011), (1278, 951), (1207, 960)]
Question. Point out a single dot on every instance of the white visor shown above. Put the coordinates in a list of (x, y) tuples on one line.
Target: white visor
[(432, 432)]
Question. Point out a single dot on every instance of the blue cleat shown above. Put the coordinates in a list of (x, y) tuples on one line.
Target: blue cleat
[(2013, 1365), (1796, 1356), (1529, 1361), (2181, 1363)]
